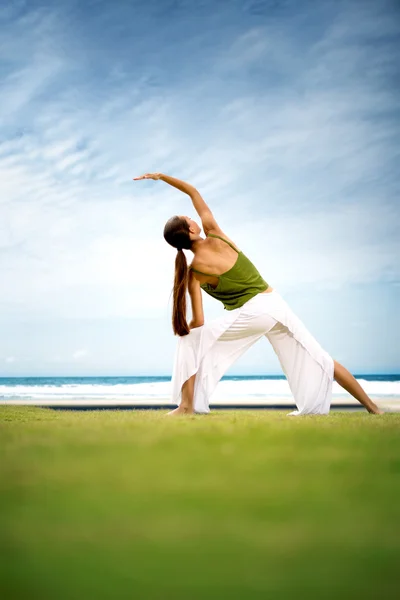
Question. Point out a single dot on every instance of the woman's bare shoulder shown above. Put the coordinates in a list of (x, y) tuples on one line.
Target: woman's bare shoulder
[(214, 254), (203, 261), (218, 231)]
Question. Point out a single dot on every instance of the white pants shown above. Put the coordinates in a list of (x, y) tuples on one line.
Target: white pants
[(210, 350)]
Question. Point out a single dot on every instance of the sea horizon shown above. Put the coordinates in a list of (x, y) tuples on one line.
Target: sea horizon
[(165, 376), (158, 387)]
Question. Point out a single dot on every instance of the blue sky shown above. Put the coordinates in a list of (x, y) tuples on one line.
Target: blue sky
[(285, 116)]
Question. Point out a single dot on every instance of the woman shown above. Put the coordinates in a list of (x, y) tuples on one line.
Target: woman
[(254, 309)]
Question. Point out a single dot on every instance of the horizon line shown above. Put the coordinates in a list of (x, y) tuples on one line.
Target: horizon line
[(170, 376)]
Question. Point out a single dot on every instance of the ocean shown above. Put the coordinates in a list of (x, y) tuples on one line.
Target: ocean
[(148, 387)]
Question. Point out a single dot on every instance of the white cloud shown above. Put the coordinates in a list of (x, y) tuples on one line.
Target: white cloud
[(10, 359)]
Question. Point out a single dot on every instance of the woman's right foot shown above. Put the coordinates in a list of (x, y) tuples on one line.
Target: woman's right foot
[(181, 410)]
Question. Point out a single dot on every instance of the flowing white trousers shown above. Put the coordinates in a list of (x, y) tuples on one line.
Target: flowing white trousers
[(210, 350)]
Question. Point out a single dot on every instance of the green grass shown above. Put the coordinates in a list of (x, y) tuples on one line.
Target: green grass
[(238, 505)]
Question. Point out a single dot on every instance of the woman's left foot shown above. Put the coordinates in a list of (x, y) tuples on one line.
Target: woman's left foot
[(181, 410)]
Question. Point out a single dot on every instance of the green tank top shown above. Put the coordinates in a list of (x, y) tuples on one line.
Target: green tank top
[(238, 285)]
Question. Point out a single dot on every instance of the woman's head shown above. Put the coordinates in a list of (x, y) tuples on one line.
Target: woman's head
[(179, 232)]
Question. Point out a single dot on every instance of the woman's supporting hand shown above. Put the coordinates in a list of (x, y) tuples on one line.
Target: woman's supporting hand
[(148, 176)]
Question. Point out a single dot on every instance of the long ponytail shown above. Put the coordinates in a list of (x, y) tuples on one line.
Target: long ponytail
[(177, 234), (179, 323)]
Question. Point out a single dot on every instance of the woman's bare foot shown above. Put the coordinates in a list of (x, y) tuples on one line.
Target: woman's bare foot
[(181, 410), (376, 411), (186, 405), (351, 385)]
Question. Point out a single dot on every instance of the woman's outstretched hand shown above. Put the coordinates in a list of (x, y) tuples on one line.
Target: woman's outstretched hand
[(148, 176)]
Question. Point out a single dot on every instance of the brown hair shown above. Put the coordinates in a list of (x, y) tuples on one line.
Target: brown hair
[(176, 233)]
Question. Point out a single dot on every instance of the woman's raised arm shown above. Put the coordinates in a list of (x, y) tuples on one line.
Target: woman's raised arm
[(200, 206)]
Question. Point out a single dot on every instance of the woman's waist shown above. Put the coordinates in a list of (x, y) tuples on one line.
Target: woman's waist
[(231, 292), (236, 285), (239, 298)]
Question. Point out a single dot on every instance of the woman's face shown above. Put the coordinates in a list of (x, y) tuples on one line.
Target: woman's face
[(193, 226)]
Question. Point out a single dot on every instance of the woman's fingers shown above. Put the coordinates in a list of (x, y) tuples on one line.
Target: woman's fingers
[(148, 176)]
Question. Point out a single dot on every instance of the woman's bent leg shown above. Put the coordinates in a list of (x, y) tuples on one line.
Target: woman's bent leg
[(203, 356), (351, 385)]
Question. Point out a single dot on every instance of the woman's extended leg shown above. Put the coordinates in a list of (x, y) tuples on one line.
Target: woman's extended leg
[(351, 385), (186, 405), (308, 368)]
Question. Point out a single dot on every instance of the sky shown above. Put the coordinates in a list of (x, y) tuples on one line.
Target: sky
[(284, 115)]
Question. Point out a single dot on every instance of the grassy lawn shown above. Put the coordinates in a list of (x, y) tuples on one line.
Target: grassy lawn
[(237, 504)]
